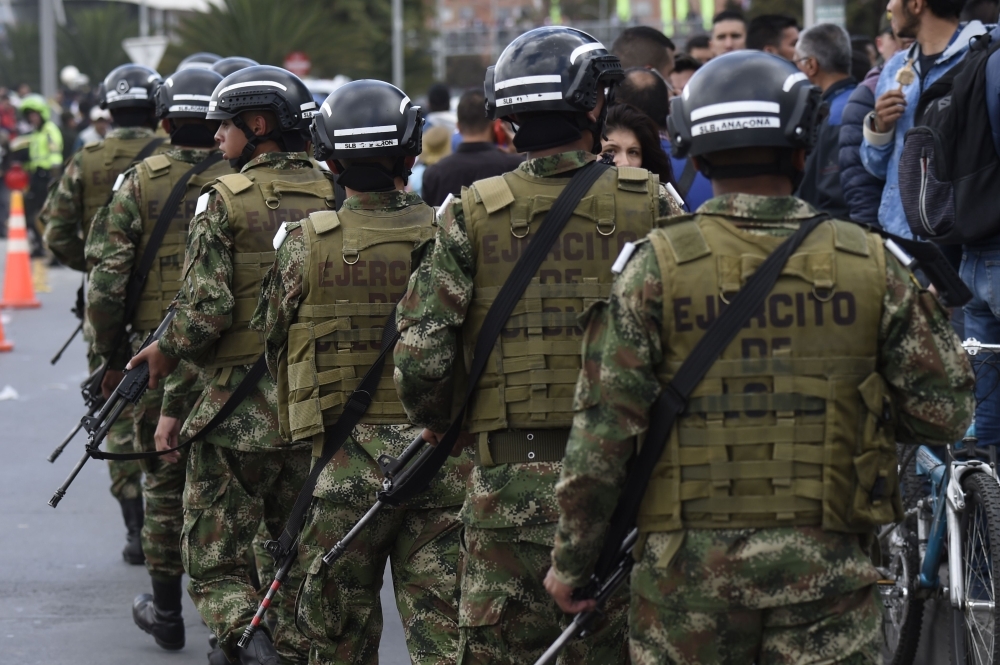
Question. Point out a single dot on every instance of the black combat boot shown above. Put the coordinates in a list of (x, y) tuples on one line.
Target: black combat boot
[(133, 513), (260, 651), (216, 656), (160, 614)]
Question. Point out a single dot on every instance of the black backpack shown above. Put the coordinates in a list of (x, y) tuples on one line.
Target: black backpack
[(949, 170)]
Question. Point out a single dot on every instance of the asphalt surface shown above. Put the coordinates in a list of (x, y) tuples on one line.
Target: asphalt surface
[(66, 592)]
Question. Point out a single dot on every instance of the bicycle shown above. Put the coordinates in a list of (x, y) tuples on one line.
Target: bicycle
[(961, 512)]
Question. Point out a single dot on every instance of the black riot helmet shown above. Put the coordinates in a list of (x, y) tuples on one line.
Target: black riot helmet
[(227, 66), (128, 87), (367, 119), (186, 93), (745, 99), (265, 88), (199, 61), (546, 81)]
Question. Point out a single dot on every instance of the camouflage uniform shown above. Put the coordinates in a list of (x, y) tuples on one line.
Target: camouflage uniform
[(242, 472), (66, 231), (770, 595), (509, 514), (112, 248), (339, 608)]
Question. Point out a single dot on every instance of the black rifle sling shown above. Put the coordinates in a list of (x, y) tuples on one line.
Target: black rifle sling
[(242, 391), (510, 294), (136, 282), (686, 178), (334, 438), (672, 400)]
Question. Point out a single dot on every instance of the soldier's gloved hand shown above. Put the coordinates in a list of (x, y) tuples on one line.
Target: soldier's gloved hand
[(112, 378), (167, 436), (160, 364), (563, 595)]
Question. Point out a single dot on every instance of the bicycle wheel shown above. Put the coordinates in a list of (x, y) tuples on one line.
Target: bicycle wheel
[(899, 566), (977, 623)]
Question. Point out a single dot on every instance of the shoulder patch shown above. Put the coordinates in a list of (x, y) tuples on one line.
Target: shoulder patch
[(202, 204), (686, 241), (157, 164), (236, 182), (494, 193), (324, 221), (118, 182), (850, 237)]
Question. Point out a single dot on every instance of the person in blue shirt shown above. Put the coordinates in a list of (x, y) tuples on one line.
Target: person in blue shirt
[(823, 54), (940, 43)]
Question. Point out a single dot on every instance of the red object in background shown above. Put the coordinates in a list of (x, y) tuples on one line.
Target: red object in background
[(298, 63), (499, 135), (16, 178)]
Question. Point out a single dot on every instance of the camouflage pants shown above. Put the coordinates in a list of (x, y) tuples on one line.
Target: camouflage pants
[(227, 494), (338, 606), (733, 602), (163, 490), (507, 617), (126, 477)]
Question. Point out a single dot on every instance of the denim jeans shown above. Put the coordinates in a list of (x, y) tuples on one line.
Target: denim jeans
[(981, 272)]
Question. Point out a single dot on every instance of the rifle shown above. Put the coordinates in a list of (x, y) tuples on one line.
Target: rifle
[(93, 399), (396, 471), (129, 391), (599, 590)]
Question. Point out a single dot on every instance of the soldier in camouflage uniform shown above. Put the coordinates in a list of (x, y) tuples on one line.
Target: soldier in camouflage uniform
[(329, 281), (243, 471), (85, 186), (117, 241), (752, 525), (521, 411)]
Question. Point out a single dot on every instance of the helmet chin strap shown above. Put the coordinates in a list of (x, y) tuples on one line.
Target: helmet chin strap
[(253, 141)]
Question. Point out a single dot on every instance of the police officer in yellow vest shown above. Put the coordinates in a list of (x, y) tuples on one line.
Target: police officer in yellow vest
[(245, 470), (336, 278), (84, 187), (44, 147), (118, 240), (752, 525), (550, 82)]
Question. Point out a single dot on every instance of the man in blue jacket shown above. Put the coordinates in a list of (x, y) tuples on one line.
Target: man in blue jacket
[(940, 43), (823, 53)]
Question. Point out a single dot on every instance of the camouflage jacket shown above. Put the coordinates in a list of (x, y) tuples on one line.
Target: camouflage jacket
[(115, 235), (919, 355), (65, 228), (430, 316), (204, 309), (281, 291)]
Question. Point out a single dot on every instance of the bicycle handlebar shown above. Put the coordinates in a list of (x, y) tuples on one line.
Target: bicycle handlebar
[(973, 346)]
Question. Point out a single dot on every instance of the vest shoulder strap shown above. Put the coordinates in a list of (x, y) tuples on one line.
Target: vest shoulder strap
[(324, 221), (494, 193), (686, 241), (157, 165), (235, 182), (633, 179), (850, 237)]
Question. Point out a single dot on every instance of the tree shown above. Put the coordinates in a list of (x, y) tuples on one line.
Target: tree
[(92, 39)]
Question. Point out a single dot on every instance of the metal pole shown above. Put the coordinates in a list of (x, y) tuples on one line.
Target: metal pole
[(494, 33), (397, 43), (440, 65), (47, 45), (143, 19), (809, 13)]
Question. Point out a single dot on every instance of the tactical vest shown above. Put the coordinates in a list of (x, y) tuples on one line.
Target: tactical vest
[(531, 375), (102, 162), (157, 176), (792, 425), (358, 267), (259, 201)]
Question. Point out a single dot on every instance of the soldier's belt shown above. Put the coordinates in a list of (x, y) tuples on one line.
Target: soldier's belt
[(519, 446)]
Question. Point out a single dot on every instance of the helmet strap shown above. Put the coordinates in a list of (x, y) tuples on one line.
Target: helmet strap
[(253, 141)]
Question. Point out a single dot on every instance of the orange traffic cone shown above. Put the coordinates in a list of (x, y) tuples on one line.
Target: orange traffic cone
[(4, 344), (17, 289)]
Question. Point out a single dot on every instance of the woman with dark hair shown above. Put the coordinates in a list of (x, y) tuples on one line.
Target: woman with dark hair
[(632, 139)]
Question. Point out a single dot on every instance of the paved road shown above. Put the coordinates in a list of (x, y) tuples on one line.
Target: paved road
[(67, 593)]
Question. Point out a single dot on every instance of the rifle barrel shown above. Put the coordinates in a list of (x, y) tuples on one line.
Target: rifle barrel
[(66, 344), (279, 579), (69, 437), (61, 492), (552, 652), (338, 550)]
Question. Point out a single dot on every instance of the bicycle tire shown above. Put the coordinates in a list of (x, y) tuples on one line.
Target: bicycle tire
[(977, 622)]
